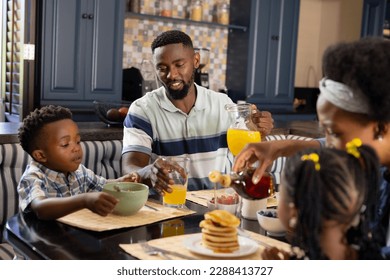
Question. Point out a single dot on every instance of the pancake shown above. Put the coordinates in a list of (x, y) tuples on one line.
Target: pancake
[(219, 239), (221, 247), (219, 231), (223, 218), (208, 224)]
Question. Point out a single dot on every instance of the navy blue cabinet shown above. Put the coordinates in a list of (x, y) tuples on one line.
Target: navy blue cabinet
[(272, 52), (261, 61), (373, 17), (82, 49)]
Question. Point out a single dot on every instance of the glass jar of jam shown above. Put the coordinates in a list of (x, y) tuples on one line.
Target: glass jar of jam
[(166, 8), (242, 183), (223, 13), (196, 10)]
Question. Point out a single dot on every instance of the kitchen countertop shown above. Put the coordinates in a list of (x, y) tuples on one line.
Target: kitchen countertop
[(302, 128), (90, 131)]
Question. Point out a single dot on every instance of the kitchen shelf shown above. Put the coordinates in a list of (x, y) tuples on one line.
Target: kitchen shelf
[(188, 21)]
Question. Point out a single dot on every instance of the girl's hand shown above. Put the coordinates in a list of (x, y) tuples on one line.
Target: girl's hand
[(274, 253)]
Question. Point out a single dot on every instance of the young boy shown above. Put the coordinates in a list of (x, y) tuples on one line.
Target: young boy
[(55, 183)]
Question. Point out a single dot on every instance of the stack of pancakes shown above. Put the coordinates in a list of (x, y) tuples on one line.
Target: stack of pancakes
[(219, 231)]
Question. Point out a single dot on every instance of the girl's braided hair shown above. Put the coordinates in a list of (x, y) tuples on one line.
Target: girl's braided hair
[(340, 187)]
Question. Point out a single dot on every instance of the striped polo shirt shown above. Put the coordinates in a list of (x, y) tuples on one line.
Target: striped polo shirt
[(156, 127)]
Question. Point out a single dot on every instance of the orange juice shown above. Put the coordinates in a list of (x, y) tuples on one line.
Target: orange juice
[(177, 196), (172, 228), (238, 138)]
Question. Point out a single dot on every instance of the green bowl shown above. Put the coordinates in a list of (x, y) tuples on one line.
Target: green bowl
[(132, 196)]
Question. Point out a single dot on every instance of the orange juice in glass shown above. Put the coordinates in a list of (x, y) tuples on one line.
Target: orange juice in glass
[(242, 129), (178, 173), (172, 228), (238, 138), (177, 196)]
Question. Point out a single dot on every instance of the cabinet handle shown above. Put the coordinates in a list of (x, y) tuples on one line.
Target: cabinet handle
[(90, 16), (84, 15)]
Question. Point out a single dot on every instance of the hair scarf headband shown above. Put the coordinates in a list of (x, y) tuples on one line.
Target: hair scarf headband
[(342, 97)]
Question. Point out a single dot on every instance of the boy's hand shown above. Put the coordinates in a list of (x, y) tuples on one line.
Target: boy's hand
[(132, 177), (100, 203)]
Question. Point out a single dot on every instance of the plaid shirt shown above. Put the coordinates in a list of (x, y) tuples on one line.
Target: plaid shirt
[(40, 181)]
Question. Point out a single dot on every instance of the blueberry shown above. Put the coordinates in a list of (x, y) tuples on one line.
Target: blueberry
[(269, 214)]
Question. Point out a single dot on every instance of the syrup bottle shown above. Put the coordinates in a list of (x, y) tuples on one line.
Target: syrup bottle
[(242, 183)]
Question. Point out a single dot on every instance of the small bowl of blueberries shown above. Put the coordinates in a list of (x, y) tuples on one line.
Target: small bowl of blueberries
[(270, 222)]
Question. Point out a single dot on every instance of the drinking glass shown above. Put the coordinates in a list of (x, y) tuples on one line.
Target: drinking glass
[(172, 228), (178, 173)]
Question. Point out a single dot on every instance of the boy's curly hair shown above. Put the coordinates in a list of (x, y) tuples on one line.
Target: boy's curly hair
[(30, 132)]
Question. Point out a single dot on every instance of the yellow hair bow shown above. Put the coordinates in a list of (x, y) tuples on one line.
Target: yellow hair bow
[(314, 158), (352, 147)]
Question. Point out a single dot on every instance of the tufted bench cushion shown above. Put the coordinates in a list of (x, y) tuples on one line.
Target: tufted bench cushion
[(103, 157), (278, 164)]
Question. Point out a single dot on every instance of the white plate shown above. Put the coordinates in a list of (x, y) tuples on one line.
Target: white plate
[(194, 244)]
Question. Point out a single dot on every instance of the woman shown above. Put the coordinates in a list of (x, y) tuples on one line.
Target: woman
[(354, 103)]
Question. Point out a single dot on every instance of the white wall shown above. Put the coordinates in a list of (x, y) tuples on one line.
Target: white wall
[(323, 23)]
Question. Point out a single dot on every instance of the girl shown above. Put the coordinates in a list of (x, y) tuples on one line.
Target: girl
[(322, 203)]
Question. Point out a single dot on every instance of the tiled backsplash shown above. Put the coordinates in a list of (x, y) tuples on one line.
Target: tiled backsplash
[(139, 34)]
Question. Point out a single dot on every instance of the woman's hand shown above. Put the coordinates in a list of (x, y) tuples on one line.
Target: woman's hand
[(264, 152)]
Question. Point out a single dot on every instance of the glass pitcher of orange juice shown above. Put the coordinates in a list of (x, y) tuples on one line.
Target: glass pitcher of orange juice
[(242, 131)]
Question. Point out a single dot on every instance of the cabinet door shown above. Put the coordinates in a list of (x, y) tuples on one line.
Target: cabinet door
[(82, 51), (104, 50), (62, 57), (272, 52), (373, 17)]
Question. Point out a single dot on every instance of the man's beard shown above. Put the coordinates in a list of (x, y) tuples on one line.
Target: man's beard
[(180, 94)]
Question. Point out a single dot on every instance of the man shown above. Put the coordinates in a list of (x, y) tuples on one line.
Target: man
[(179, 118)]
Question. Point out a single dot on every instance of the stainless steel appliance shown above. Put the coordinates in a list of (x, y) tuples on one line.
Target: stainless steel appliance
[(201, 75)]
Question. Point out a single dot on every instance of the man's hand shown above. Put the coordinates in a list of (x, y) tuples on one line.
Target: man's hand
[(160, 175), (263, 120)]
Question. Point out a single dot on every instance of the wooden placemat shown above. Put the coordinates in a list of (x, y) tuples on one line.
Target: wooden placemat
[(86, 219), (201, 197), (176, 243)]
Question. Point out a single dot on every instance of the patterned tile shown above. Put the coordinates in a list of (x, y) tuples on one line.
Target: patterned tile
[(139, 34)]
